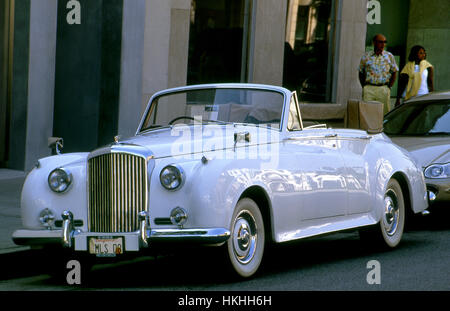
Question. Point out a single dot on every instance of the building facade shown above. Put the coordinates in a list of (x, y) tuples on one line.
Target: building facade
[(84, 70)]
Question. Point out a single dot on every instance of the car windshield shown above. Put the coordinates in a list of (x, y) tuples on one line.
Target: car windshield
[(419, 118), (217, 106)]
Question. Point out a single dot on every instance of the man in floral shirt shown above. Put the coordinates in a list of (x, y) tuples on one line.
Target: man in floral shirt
[(377, 73)]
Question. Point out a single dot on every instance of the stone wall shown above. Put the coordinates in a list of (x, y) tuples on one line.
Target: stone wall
[(429, 25)]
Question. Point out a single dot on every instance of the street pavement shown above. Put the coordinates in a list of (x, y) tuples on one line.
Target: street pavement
[(11, 183)]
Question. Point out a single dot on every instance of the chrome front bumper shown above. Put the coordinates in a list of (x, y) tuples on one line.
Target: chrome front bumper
[(134, 241)]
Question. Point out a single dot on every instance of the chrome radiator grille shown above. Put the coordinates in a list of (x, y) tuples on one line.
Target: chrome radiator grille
[(117, 192)]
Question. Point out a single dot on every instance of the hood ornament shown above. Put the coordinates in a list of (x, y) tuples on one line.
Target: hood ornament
[(117, 139)]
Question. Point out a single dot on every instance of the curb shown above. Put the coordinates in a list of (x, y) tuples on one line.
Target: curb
[(10, 250)]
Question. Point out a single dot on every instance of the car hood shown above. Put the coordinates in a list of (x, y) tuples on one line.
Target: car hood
[(425, 150), (183, 140)]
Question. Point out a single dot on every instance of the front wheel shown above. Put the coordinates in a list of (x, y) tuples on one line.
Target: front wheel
[(245, 247), (389, 230)]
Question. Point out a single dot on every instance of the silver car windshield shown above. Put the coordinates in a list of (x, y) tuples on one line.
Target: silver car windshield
[(420, 118), (216, 105)]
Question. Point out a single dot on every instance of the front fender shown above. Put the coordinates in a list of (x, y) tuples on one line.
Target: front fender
[(36, 194), (210, 193)]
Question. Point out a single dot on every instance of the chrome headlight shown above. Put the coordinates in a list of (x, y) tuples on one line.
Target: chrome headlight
[(59, 180), (172, 177), (438, 171)]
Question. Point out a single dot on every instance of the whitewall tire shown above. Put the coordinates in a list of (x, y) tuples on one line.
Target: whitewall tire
[(245, 247), (393, 219), (389, 231)]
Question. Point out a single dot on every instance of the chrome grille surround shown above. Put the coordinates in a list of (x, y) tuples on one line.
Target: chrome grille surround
[(117, 188)]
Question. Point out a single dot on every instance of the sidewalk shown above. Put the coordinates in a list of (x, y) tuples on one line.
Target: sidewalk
[(10, 189)]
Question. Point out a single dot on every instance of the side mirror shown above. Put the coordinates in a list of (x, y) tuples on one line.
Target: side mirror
[(56, 143)]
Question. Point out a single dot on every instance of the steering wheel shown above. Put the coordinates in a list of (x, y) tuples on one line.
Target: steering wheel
[(180, 118)]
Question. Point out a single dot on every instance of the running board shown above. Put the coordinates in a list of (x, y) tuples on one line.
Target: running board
[(315, 227)]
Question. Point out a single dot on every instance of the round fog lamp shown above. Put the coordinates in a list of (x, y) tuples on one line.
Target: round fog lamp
[(59, 180), (47, 218), (178, 216), (431, 196)]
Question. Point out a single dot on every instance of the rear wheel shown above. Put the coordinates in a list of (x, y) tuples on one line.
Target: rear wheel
[(393, 220), (245, 247)]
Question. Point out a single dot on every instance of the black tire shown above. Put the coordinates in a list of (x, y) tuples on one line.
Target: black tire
[(245, 247)]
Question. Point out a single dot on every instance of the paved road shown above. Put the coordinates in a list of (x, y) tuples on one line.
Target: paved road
[(10, 189), (335, 262)]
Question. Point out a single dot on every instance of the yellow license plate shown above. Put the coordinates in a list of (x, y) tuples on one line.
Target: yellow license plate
[(106, 246)]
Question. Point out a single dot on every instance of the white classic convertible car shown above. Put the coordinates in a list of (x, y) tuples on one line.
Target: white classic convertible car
[(229, 165)]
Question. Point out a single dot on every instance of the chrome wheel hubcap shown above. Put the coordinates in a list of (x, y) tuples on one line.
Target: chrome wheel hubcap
[(244, 237), (391, 212)]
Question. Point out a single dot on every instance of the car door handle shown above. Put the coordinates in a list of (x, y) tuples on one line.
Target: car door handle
[(330, 135), (356, 137)]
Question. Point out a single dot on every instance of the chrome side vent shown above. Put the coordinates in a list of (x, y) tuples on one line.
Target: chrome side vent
[(117, 192)]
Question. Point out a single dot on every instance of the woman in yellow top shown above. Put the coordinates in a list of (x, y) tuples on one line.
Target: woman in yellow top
[(416, 78)]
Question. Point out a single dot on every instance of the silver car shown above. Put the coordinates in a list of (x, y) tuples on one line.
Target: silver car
[(225, 165), (422, 126)]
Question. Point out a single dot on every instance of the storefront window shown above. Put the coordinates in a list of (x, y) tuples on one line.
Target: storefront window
[(216, 41), (308, 54), (6, 53)]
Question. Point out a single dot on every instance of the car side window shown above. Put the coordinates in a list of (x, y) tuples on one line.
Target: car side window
[(294, 120)]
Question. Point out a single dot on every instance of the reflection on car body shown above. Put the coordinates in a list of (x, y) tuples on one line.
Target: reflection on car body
[(229, 165)]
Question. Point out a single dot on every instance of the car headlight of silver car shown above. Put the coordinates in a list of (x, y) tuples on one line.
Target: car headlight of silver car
[(59, 180), (172, 177), (438, 171)]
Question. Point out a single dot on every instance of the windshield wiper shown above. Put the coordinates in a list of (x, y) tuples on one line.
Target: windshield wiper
[(262, 125)]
